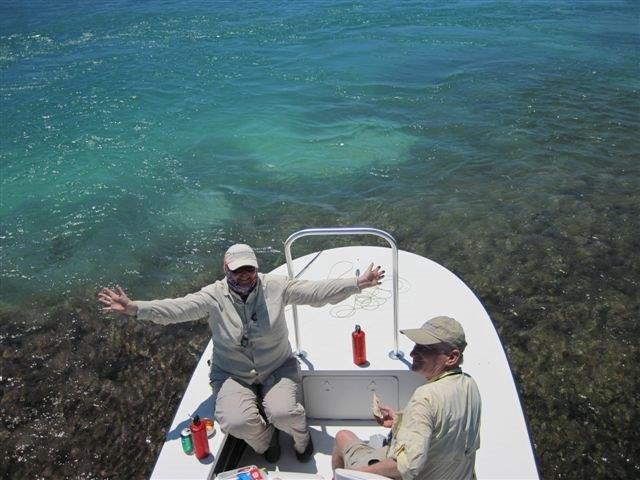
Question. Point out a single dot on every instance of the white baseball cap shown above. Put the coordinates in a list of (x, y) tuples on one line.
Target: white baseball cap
[(240, 255)]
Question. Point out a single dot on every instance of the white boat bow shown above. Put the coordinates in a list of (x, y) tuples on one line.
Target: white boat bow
[(337, 393)]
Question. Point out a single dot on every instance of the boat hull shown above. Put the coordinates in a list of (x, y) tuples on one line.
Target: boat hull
[(337, 393)]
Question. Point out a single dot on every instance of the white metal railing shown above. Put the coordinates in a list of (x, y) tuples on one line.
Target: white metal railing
[(395, 353)]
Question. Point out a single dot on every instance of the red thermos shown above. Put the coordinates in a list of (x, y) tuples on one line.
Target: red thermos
[(200, 441), (359, 347)]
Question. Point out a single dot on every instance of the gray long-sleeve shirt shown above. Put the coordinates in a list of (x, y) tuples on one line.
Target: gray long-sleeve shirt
[(250, 339)]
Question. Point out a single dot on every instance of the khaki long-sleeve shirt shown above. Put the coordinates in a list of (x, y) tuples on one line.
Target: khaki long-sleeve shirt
[(250, 339), (437, 435)]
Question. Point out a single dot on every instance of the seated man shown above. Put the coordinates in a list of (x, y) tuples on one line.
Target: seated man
[(437, 435), (252, 365)]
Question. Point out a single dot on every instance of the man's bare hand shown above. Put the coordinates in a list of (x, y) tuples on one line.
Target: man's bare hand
[(388, 416), (117, 302), (370, 277)]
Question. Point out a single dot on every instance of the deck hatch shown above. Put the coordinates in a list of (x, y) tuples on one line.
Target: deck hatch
[(347, 397)]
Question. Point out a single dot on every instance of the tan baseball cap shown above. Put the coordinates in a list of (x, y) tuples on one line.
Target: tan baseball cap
[(438, 330), (240, 255)]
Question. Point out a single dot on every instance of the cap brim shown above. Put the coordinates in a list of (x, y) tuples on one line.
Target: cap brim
[(242, 262), (420, 336)]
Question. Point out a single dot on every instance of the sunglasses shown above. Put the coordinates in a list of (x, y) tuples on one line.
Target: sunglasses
[(431, 349), (245, 269)]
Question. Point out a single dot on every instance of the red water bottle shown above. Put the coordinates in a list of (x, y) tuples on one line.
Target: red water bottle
[(359, 347), (199, 434)]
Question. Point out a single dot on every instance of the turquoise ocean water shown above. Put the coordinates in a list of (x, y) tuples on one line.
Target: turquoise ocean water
[(140, 138)]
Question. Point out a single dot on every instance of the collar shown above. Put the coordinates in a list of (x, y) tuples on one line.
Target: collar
[(446, 373)]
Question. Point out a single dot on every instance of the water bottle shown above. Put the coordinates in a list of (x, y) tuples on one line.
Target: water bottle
[(358, 346), (200, 441)]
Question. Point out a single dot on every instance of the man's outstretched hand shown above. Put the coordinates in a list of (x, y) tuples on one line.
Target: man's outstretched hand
[(370, 277), (117, 302)]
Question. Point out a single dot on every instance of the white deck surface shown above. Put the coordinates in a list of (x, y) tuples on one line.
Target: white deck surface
[(426, 290)]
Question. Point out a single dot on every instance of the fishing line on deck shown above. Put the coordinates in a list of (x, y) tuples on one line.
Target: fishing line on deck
[(369, 299)]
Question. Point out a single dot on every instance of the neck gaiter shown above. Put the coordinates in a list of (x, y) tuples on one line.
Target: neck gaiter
[(233, 285)]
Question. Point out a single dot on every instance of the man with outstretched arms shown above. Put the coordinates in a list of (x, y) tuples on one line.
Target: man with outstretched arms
[(252, 366)]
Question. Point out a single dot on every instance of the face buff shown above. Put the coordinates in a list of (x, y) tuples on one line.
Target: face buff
[(235, 286)]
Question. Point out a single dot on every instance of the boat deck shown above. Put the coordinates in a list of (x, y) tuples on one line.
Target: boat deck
[(337, 393), (323, 434)]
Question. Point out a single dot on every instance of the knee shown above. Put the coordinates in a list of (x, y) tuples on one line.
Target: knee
[(343, 438), (283, 414), (239, 424)]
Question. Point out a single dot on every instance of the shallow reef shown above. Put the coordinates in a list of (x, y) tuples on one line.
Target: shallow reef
[(89, 396)]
